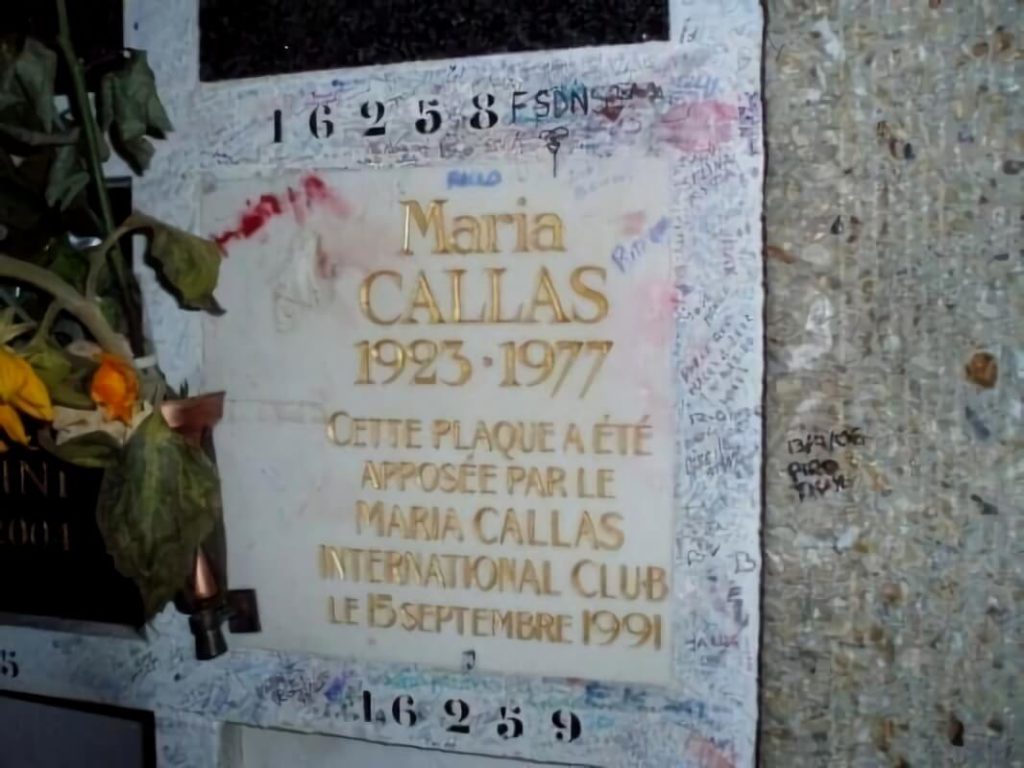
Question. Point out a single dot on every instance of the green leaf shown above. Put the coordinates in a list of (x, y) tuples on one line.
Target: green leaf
[(67, 378), (20, 206), (67, 177), (137, 153), (156, 507), (95, 450), (105, 102), (113, 312), (130, 109), (189, 266), (26, 78), (34, 138), (66, 262)]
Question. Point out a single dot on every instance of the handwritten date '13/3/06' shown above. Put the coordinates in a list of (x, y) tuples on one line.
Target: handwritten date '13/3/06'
[(529, 363)]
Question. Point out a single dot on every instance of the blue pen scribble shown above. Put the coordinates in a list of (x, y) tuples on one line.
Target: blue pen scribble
[(458, 178), (336, 689)]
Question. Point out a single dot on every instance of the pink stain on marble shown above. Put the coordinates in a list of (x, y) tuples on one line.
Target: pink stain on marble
[(706, 754), (633, 223), (699, 127), (346, 246), (657, 301)]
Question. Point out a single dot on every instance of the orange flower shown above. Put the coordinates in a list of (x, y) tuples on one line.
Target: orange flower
[(21, 389), (115, 388)]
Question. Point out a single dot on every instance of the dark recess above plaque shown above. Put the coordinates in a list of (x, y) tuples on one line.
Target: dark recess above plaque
[(97, 30), (248, 38)]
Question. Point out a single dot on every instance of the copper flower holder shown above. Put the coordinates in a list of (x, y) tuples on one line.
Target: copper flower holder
[(204, 598)]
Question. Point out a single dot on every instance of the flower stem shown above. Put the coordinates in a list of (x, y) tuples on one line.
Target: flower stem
[(71, 300), (87, 120)]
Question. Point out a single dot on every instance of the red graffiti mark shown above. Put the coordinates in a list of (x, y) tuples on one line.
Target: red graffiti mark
[(313, 193), (251, 220), (318, 193), (698, 127)]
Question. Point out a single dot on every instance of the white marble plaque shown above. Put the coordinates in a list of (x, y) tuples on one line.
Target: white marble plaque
[(449, 437)]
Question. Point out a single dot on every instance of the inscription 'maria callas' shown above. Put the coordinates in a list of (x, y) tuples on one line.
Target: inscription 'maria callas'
[(487, 233), (423, 299)]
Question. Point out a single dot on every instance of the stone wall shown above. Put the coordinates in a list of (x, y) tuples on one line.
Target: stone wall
[(892, 627)]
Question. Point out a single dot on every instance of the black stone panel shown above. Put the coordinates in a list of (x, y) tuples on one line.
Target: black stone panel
[(53, 561), (52, 558), (248, 38)]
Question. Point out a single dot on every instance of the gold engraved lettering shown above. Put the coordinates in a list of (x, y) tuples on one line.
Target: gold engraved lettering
[(341, 611), (433, 218), (366, 296), (379, 611), (423, 299), (494, 276), (370, 475), (483, 622), (594, 296), (586, 532), (483, 580), (609, 523), (412, 434), (544, 482), (466, 225), (550, 223), (488, 473), (478, 525), (577, 578), (626, 583), (545, 295), (417, 523), (455, 278), (333, 431), (657, 585), (556, 537), (574, 439), (483, 234), (331, 565)]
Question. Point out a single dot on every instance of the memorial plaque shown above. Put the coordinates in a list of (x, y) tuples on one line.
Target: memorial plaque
[(451, 418)]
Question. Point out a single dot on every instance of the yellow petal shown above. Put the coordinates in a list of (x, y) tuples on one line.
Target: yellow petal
[(12, 375), (10, 423), (33, 398), (21, 387)]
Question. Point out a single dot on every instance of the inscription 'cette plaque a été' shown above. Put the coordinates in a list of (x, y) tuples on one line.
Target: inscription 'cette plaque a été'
[(451, 413)]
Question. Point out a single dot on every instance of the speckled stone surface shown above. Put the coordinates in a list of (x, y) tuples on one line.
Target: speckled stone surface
[(892, 621)]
